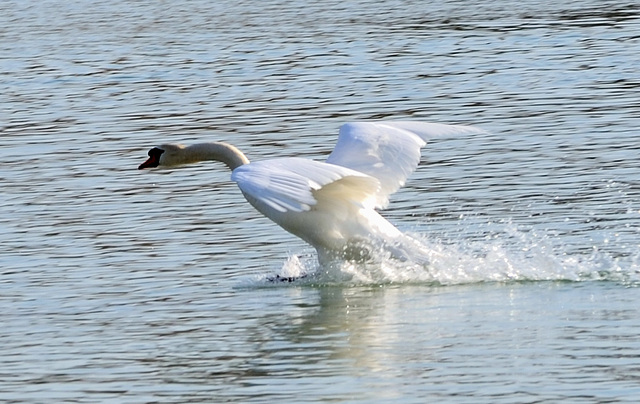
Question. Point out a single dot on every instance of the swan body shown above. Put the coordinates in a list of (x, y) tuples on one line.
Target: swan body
[(331, 205)]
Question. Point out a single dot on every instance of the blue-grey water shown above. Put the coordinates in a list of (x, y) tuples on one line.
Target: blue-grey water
[(127, 286)]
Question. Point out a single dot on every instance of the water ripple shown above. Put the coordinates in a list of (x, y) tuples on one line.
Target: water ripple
[(119, 285)]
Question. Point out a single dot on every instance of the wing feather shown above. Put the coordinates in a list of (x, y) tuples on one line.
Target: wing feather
[(388, 151), (370, 161), (293, 184)]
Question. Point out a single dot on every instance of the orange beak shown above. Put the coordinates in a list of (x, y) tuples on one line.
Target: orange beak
[(151, 162)]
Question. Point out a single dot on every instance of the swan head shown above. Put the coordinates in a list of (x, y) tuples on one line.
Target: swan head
[(164, 155)]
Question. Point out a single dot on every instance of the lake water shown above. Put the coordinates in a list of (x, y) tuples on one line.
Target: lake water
[(127, 286)]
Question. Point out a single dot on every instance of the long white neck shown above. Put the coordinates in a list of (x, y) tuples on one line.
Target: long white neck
[(218, 151)]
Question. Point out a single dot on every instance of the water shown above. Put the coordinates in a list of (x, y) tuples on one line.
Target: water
[(134, 287)]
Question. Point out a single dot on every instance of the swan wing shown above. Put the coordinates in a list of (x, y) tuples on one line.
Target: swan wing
[(388, 151), (296, 184)]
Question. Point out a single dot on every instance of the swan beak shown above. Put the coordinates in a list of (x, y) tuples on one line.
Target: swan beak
[(150, 163), (153, 160)]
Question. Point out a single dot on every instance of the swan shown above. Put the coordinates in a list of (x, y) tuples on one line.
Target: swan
[(331, 205)]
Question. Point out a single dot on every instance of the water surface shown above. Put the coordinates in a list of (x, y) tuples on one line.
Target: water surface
[(127, 286)]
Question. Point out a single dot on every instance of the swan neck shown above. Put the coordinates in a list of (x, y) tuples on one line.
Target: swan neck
[(218, 151)]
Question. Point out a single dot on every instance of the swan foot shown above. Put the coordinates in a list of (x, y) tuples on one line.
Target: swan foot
[(288, 279)]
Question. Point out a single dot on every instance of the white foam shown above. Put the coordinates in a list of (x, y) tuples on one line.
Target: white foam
[(510, 255)]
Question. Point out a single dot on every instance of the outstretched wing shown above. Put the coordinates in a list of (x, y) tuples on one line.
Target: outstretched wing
[(388, 151), (295, 184)]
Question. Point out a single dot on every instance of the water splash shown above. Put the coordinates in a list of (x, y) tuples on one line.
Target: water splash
[(511, 255)]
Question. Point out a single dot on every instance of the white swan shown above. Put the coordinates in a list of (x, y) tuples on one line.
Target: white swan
[(330, 205)]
